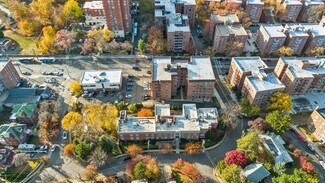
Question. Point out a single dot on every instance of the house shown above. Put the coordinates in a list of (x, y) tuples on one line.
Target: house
[(274, 143), (13, 134), (5, 44), (24, 113), (256, 172), (6, 158)]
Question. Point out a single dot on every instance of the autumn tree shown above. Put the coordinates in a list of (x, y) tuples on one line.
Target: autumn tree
[(279, 168), (68, 149), (244, 18), (258, 124), (156, 43), (279, 101), (65, 38), (235, 157), (316, 51), (141, 46), (189, 170), (20, 159), (82, 150), (230, 114), (88, 46), (306, 165), (46, 132), (234, 48), (231, 173), (133, 108), (46, 44), (70, 120), (193, 148), (18, 9), (139, 171), (134, 150), (144, 112), (298, 176), (284, 51), (146, 7), (297, 153), (90, 172), (98, 157), (315, 13), (249, 144), (29, 27), (75, 88), (279, 121), (42, 11), (249, 109), (165, 148), (71, 12)]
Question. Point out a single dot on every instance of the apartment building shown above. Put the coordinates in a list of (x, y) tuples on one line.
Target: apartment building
[(316, 34), (259, 86), (193, 77), (297, 38), (102, 80), (254, 9), (113, 14), (301, 75), (292, 9), (225, 35), (241, 67), (192, 124), (216, 19), (316, 123), (178, 16), (9, 76), (270, 38), (308, 5)]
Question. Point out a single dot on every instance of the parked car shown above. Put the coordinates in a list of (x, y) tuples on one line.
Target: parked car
[(136, 68), (311, 147), (293, 130), (130, 80), (46, 73), (129, 88), (322, 164), (148, 72), (112, 94), (64, 135), (53, 148), (129, 84), (302, 138), (130, 76), (16, 63), (128, 96), (27, 73)]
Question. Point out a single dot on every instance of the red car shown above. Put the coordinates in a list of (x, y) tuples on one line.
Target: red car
[(302, 138)]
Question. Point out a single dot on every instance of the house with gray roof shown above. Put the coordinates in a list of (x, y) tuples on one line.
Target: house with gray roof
[(24, 113), (256, 172), (13, 134)]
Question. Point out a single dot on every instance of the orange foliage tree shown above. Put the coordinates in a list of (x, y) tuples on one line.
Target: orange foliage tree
[(189, 170), (68, 149), (144, 112), (193, 148), (165, 148), (134, 150)]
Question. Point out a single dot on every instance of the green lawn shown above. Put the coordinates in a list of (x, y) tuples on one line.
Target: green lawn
[(27, 44)]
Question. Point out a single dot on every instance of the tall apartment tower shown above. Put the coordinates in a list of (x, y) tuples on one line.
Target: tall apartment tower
[(292, 9), (270, 38), (254, 9), (297, 38), (118, 18), (307, 6), (9, 76)]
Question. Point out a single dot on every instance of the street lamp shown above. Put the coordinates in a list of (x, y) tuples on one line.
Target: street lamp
[(148, 144)]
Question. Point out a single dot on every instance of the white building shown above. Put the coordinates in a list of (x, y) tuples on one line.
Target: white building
[(102, 80), (94, 14)]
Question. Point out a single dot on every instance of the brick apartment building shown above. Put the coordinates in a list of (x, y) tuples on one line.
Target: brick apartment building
[(270, 38), (241, 67), (194, 77), (292, 9), (254, 9), (316, 34), (216, 19), (192, 124), (178, 17), (297, 38), (259, 86), (114, 14), (301, 75), (316, 123), (9, 76), (307, 6)]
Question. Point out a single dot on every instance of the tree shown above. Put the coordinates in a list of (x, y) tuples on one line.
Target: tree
[(141, 46), (165, 148), (70, 120), (221, 165), (134, 150), (230, 114), (29, 27), (234, 48), (152, 170), (133, 108), (235, 157), (280, 122), (316, 51), (279, 168), (75, 88), (156, 42), (298, 176), (139, 171), (189, 170), (280, 101), (249, 144), (244, 18), (42, 10), (68, 149), (46, 44), (258, 124), (82, 150), (65, 38), (88, 46), (248, 109), (306, 165), (231, 174), (284, 51), (98, 157), (193, 148), (20, 159), (90, 172), (18, 9), (297, 153), (315, 14), (71, 12), (146, 7), (46, 132), (126, 46), (104, 145), (145, 112)]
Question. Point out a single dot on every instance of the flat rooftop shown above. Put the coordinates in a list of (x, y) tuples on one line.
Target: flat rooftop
[(247, 64), (3, 63), (235, 1), (231, 29), (220, 19), (162, 109), (137, 124), (93, 5), (313, 2), (299, 72), (274, 30), (296, 30), (199, 68), (269, 82), (316, 29), (103, 76), (293, 2)]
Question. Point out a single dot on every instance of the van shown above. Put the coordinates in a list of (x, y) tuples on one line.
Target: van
[(26, 147)]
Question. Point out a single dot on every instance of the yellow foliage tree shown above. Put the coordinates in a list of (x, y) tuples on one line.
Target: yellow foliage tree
[(316, 51), (145, 112), (29, 27), (71, 11), (280, 101), (68, 149), (90, 172), (134, 150), (193, 148), (46, 44), (284, 51), (42, 10), (75, 88), (70, 120)]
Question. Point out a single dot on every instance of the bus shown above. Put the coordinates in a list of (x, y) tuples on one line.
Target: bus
[(26, 59), (46, 59)]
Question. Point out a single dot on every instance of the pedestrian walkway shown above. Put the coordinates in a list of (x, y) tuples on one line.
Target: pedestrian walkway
[(216, 94), (177, 146)]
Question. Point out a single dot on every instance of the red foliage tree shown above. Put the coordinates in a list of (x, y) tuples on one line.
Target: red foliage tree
[(306, 166), (235, 157)]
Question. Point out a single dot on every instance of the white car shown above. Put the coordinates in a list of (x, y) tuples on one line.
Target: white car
[(322, 163), (128, 96), (16, 63), (53, 148)]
